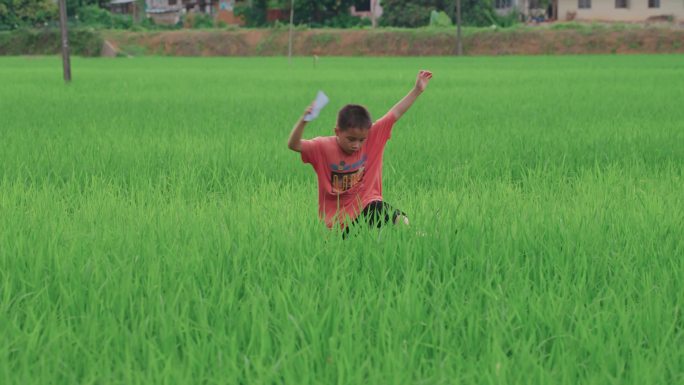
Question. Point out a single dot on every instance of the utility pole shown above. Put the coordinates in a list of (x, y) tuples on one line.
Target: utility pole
[(374, 21), (66, 64), (459, 41), (289, 44)]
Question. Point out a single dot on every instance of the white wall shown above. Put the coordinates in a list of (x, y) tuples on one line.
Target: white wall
[(605, 10)]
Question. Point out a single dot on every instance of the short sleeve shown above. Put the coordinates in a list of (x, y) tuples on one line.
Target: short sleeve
[(311, 150), (382, 128)]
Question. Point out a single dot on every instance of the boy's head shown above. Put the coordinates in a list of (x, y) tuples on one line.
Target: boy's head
[(353, 123)]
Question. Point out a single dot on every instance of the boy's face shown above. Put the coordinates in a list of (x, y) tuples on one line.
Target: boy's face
[(351, 139)]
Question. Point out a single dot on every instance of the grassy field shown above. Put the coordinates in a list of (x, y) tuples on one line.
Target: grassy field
[(154, 228)]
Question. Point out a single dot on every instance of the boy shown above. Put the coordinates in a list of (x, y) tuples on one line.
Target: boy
[(349, 164)]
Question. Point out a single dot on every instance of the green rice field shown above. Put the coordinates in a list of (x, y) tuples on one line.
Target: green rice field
[(155, 229)]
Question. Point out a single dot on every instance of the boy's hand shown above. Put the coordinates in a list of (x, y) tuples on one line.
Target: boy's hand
[(423, 80), (404, 104), (295, 141), (308, 110), (316, 107)]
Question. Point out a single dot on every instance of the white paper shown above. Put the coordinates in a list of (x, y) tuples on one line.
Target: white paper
[(318, 104)]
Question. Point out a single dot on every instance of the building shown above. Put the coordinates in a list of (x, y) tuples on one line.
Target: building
[(370, 9), (123, 7), (170, 11), (225, 12), (367, 9), (529, 9), (594, 10), (621, 10)]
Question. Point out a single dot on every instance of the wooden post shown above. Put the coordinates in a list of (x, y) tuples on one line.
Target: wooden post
[(289, 44), (374, 21), (66, 64), (459, 41), (555, 10)]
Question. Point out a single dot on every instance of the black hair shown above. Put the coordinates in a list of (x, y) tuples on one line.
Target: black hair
[(353, 116)]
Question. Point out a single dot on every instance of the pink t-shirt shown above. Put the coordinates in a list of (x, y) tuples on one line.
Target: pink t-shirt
[(347, 183)]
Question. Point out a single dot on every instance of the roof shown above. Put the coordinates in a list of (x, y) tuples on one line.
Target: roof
[(172, 9)]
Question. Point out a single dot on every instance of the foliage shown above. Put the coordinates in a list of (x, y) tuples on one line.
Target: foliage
[(30, 13), (148, 23), (406, 13), (508, 20), (314, 13), (478, 13), (318, 13), (440, 19), (410, 13), (82, 42), (254, 14), (26, 13), (197, 20), (94, 16), (346, 20), (74, 6)]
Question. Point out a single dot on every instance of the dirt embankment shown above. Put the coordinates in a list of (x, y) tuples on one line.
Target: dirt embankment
[(271, 42), (396, 43)]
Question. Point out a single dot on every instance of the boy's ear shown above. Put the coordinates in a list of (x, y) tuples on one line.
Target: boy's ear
[(337, 130)]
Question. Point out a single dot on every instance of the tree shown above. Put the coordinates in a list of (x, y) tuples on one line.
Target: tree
[(409, 13), (23, 13), (315, 13), (254, 13), (416, 13), (318, 13), (73, 6), (478, 13)]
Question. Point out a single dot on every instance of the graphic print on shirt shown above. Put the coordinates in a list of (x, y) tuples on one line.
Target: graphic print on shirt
[(345, 176)]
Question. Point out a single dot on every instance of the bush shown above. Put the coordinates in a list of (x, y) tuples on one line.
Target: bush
[(197, 20), (478, 13), (94, 16), (402, 13), (148, 23), (509, 20), (255, 15), (26, 13), (202, 20), (82, 42), (572, 25), (440, 19), (346, 20)]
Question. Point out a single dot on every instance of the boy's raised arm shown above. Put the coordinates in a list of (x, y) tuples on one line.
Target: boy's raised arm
[(295, 141), (404, 104)]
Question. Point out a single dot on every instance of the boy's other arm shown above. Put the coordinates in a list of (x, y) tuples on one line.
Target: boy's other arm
[(404, 104), (295, 141)]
